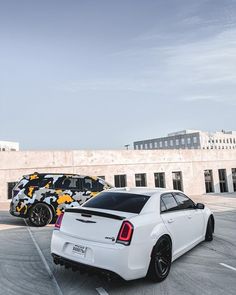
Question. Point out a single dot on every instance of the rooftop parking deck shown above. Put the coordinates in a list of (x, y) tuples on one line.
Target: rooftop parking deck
[(26, 265)]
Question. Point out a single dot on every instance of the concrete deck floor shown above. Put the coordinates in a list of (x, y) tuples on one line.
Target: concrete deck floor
[(202, 270)]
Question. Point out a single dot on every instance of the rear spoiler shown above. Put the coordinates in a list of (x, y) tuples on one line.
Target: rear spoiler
[(89, 213)]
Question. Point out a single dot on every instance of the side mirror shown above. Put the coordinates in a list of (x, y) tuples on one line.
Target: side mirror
[(200, 206)]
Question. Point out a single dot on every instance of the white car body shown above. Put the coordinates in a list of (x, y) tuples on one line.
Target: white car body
[(91, 240)]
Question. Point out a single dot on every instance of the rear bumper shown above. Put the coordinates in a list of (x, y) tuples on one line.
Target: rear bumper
[(118, 259), (15, 213), (81, 267)]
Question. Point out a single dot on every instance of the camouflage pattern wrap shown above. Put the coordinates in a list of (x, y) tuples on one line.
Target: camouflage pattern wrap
[(60, 191)]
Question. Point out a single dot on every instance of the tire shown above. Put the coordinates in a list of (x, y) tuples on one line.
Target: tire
[(40, 215), (209, 230), (161, 257)]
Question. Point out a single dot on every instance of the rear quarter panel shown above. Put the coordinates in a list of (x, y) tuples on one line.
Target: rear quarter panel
[(148, 228)]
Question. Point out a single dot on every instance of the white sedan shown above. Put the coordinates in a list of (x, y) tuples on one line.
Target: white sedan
[(131, 232)]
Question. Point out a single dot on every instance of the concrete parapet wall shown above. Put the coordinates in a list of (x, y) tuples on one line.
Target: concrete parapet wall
[(192, 163)]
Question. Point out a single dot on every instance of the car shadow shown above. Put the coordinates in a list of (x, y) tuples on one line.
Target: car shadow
[(7, 219)]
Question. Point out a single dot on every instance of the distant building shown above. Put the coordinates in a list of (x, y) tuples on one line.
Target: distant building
[(190, 139), (6, 146)]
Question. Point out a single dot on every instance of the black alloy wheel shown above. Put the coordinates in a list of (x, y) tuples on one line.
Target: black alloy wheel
[(40, 214), (160, 260), (209, 230)]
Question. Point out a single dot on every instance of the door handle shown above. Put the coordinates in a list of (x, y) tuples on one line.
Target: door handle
[(170, 220), (189, 216)]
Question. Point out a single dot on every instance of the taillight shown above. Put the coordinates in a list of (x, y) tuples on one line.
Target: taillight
[(59, 220), (125, 233)]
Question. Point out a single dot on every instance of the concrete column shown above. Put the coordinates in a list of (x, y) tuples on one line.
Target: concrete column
[(150, 179), (169, 180), (130, 179), (216, 180), (110, 179), (3, 190), (230, 180)]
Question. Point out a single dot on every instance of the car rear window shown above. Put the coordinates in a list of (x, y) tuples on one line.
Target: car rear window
[(131, 203)]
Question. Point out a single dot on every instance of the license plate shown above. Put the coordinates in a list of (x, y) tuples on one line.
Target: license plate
[(79, 250)]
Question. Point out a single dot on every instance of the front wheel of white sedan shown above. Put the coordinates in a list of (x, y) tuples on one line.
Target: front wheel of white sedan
[(160, 260), (209, 230)]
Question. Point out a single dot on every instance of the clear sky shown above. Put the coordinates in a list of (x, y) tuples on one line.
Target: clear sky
[(101, 74)]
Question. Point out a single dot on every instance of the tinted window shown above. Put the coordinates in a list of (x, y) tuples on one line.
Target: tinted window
[(97, 186), (120, 180), (169, 203), (140, 179), (58, 183), (73, 183), (88, 184), (68, 183), (131, 203), (92, 185), (163, 207), (209, 183), (177, 180), (159, 179), (37, 182), (79, 184), (11, 186), (184, 202)]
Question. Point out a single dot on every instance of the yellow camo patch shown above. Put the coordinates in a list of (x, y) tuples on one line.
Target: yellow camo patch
[(34, 176), (64, 198), (94, 178), (58, 212), (18, 209), (48, 184), (31, 191), (93, 194)]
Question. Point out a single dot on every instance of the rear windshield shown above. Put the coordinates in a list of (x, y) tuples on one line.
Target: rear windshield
[(130, 203)]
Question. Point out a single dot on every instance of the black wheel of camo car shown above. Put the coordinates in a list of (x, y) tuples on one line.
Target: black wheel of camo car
[(40, 214), (160, 260)]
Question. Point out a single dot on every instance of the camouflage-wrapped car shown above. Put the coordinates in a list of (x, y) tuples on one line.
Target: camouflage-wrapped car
[(41, 197)]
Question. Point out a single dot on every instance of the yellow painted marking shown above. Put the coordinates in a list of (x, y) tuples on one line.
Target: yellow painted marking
[(64, 198)]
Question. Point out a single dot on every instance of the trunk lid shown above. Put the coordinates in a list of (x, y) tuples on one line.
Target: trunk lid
[(98, 225)]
